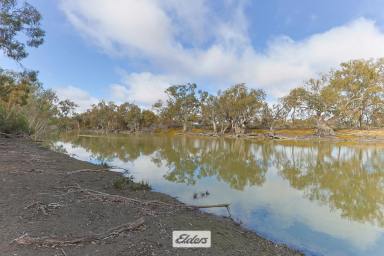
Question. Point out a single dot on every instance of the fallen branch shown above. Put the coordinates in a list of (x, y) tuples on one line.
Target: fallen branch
[(55, 242), (209, 206), (122, 199), (214, 206), (88, 170), (98, 170), (6, 135)]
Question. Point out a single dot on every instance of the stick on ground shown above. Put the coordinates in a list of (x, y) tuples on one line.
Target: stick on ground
[(56, 242)]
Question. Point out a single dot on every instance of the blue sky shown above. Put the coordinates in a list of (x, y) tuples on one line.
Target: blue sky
[(131, 50)]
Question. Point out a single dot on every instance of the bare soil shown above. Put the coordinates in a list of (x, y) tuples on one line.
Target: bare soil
[(47, 207)]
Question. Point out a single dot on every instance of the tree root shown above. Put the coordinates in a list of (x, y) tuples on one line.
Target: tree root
[(56, 242)]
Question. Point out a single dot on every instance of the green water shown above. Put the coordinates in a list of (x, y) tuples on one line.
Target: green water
[(324, 198)]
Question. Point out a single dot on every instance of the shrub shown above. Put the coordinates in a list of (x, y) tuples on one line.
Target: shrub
[(128, 183), (13, 123)]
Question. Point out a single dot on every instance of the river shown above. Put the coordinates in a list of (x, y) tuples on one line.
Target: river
[(324, 198)]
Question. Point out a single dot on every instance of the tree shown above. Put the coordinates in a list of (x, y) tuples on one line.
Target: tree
[(130, 114), (240, 106), (271, 115), (209, 108), (295, 102), (16, 22), (66, 108), (182, 103), (315, 100), (148, 118), (361, 90), (66, 112)]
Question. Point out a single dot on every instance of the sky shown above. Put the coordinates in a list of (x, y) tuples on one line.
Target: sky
[(132, 50)]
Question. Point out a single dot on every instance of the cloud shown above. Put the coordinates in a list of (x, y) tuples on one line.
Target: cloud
[(77, 95), (189, 39), (143, 89)]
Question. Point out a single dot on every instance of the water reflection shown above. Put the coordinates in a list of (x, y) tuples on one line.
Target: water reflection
[(322, 197), (344, 178)]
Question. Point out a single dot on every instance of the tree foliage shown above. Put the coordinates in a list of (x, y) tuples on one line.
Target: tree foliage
[(16, 22)]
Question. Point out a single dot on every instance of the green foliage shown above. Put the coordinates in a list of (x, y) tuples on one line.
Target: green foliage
[(351, 96), (15, 123), (182, 103), (109, 117), (26, 107), (16, 22)]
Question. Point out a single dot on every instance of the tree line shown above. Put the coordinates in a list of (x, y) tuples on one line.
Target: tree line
[(350, 96)]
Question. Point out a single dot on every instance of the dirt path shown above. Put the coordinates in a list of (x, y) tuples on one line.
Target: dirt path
[(51, 212)]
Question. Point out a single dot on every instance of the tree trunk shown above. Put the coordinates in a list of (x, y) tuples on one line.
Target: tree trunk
[(185, 127), (323, 129), (361, 119), (293, 117), (238, 130), (214, 126)]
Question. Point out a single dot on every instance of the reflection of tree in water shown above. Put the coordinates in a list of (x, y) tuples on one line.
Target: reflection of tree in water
[(181, 157), (107, 148), (233, 161), (345, 178)]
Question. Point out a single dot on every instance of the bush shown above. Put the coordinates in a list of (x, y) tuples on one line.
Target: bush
[(13, 123), (128, 183)]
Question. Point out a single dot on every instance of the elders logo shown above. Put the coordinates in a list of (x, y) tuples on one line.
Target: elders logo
[(191, 239)]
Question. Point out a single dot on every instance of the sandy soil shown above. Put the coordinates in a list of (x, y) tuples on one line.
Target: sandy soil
[(45, 208)]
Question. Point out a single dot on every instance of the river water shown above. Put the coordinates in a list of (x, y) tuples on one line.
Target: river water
[(321, 197)]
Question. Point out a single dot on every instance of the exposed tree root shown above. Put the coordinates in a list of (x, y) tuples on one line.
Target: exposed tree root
[(56, 242)]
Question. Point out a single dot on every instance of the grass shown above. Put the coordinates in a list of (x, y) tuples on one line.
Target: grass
[(128, 183)]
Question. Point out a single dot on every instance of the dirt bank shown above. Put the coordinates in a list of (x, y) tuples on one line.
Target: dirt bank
[(51, 210)]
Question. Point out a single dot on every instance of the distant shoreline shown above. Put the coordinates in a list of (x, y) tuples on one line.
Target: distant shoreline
[(342, 135)]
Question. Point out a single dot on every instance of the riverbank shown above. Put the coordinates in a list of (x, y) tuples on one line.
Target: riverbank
[(343, 135), (49, 207)]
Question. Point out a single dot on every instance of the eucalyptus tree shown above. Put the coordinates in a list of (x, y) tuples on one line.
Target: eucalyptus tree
[(66, 108), (271, 115), (130, 115), (182, 103), (296, 102), (18, 22), (148, 119), (321, 100), (209, 108), (240, 106), (361, 89)]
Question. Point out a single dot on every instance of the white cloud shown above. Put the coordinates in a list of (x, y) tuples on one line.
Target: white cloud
[(143, 89), (77, 95), (201, 45)]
